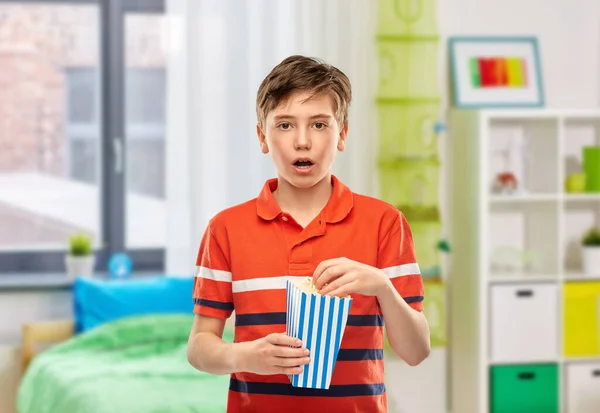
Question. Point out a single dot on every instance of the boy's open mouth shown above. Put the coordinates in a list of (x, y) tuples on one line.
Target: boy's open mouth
[(303, 163)]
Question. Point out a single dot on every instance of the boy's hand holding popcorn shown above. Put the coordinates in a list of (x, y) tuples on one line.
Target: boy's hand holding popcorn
[(341, 277), (276, 353)]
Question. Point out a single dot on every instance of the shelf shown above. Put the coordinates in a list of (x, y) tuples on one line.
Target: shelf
[(523, 148), (579, 277), (518, 250), (522, 278), (568, 198), (494, 363), (579, 132), (533, 114), (524, 238), (582, 197), (579, 215), (507, 199), (585, 359)]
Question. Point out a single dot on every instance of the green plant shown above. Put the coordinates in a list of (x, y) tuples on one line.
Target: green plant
[(592, 238), (80, 245), (444, 245)]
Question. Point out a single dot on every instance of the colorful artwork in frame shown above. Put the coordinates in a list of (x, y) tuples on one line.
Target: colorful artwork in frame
[(496, 72)]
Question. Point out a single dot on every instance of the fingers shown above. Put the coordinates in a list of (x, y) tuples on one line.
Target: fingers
[(332, 273), (287, 370), (338, 283), (281, 351), (282, 339), (325, 265), (290, 362), (284, 356), (343, 291)]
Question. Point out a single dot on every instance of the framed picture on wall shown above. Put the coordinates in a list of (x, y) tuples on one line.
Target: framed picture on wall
[(496, 72)]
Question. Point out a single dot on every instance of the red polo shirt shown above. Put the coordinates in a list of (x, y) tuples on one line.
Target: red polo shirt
[(250, 250)]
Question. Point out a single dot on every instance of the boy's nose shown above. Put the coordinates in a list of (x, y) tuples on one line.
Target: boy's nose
[(302, 140)]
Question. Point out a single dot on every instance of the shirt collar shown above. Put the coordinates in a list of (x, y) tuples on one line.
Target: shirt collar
[(337, 208)]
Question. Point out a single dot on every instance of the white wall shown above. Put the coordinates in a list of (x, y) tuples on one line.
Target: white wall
[(17, 308), (568, 32)]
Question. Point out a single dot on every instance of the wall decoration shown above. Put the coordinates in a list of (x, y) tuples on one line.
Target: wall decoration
[(410, 126), (496, 72)]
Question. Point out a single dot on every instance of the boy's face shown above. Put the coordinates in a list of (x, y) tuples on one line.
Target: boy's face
[(302, 135)]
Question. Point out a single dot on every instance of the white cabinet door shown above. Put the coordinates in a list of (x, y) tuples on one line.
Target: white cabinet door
[(420, 389), (524, 323), (583, 388)]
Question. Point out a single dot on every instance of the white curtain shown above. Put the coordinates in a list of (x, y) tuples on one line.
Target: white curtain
[(219, 52)]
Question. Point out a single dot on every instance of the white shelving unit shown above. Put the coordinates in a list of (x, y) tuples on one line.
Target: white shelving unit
[(516, 284)]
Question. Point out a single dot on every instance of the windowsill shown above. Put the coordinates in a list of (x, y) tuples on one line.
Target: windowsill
[(35, 282), (50, 281)]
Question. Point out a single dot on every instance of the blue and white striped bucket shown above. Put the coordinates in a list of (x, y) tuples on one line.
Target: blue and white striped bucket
[(319, 322)]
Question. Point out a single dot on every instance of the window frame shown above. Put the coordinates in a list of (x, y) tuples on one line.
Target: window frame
[(112, 147)]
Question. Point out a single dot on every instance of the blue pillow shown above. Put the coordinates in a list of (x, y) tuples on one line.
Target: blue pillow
[(99, 301)]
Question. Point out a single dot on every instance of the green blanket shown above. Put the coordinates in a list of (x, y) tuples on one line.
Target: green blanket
[(133, 365)]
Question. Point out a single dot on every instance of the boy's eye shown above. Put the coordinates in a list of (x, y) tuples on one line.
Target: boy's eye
[(284, 126), (320, 125)]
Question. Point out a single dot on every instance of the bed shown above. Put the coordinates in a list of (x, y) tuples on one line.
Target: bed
[(131, 362)]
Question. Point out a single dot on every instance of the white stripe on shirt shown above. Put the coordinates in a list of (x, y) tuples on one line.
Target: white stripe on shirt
[(215, 275), (256, 284), (402, 270)]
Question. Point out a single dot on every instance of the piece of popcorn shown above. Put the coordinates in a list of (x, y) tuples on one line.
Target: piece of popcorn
[(308, 286)]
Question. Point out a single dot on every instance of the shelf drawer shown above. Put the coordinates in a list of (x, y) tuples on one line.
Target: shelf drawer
[(583, 388), (408, 69), (581, 320), (524, 323), (524, 389)]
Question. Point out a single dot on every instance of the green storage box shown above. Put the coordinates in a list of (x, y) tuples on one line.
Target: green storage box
[(591, 168), (408, 130), (524, 389), (408, 69), (411, 182), (407, 17)]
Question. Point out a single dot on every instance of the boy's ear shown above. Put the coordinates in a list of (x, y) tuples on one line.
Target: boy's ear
[(342, 139), (262, 139)]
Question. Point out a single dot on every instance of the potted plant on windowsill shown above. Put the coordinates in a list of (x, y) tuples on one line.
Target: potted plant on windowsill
[(591, 253), (80, 260)]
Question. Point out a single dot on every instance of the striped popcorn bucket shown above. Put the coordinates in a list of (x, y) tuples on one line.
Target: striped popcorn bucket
[(319, 322)]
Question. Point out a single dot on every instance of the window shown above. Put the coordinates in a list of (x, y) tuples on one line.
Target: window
[(82, 131)]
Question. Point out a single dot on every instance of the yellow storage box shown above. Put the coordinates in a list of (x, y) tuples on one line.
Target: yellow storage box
[(581, 321)]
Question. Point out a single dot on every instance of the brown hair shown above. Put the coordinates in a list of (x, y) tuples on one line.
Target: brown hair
[(306, 74)]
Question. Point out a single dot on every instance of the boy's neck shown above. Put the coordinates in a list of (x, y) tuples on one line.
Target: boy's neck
[(303, 204)]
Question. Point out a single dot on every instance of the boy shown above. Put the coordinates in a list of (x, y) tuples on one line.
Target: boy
[(305, 223)]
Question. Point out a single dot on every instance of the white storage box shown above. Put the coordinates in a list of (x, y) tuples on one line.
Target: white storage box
[(583, 387), (524, 323)]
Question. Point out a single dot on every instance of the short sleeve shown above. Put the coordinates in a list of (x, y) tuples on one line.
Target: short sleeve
[(212, 285), (398, 260)]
